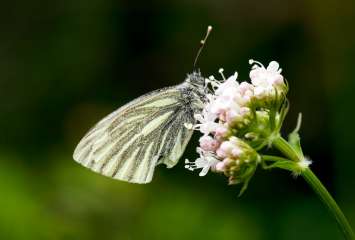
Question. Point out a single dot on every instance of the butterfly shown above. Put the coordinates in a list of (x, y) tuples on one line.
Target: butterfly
[(153, 129)]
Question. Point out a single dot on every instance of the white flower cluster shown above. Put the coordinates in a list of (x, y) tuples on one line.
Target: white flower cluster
[(234, 114), (266, 80)]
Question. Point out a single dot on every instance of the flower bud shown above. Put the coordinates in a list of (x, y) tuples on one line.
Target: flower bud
[(236, 151), (208, 143)]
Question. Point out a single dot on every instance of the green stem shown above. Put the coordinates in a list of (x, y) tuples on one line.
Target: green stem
[(272, 158), (283, 146), (327, 199)]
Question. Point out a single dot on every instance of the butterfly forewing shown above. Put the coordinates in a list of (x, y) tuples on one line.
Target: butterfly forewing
[(130, 142)]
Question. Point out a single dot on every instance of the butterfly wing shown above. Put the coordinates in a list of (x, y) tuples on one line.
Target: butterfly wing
[(130, 142)]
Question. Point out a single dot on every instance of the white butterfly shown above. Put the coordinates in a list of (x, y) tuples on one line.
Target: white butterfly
[(150, 130), (130, 142)]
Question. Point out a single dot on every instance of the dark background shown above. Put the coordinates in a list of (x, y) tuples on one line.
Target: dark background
[(66, 64)]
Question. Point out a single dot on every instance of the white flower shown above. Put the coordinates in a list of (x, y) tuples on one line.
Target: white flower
[(266, 80), (234, 120), (246, 92), (221, 106), (206, 120), (205, 161), (230, 84)]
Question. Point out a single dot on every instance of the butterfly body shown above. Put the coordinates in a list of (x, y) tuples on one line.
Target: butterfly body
[(150, 130)]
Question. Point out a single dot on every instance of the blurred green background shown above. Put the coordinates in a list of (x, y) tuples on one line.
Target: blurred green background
[(66, 64)]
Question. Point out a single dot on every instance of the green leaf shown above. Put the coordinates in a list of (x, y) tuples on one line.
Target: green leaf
[(294, 138), (246, 177)]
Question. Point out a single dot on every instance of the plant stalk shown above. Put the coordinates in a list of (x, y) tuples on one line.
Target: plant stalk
[(283, 146)]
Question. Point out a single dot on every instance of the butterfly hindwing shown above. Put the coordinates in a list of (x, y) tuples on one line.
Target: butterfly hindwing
[(130, 142)]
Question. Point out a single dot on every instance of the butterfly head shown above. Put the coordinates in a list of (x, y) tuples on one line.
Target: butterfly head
[(196, 79)]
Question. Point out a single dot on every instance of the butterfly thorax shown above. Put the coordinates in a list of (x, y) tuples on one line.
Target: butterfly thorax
[(194, 91)]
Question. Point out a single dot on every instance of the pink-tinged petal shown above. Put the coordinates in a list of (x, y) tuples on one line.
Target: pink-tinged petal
[(220, 166), (244, 111), (204, 171), (273, 66), (244, 87), (229, 83), (207, 143), (221, 130), (221, 153), (232, 115), (277, 79), (236, 152), (226, 148)]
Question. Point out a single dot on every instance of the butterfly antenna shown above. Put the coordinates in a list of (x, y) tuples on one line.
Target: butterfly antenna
[(202, 44)]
